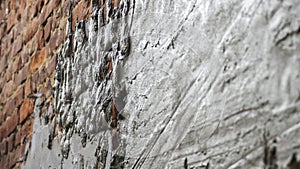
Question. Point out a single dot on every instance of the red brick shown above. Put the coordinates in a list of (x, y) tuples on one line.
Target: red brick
[(14, 156), (24, 17), (4, 147), (24, 57), (26, 109), (66, 6), (60, 38), (38, 60), (33, 10), (35, 78), (9, 107), (26, 129), (17, 45), (3, 62), (53, 4), (31, 47), (4, 161), (11, 142), (58, 17), (18, 137), (56, 39), (80, 11), (30, 30), (2, 14), (21, 76), (3, 131), (22, 7), (17, 29), (9, 88), (12, 122), (10, 20), (9, 72), (53, 41), (19, 96), (47, 10), (34, 82), (51, 66), (22, 150), (17, 64), (6, 47), (40, 39), (2, 28), (49, 89), (42, 75), (43, 90), (10, 39), (47, 29), (2, 119), (28, 88)]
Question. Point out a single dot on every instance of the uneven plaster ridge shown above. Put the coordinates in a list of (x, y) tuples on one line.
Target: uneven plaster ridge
[(176, 84)]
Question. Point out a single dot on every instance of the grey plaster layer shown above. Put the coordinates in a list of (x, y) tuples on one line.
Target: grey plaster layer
[(204, 84)]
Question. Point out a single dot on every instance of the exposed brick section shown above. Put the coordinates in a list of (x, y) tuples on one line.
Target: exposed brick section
[(31, 34)]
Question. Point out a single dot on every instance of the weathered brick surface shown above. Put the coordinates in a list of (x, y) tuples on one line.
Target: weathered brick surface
[(4, 147), (21, 76), (9, 107), (12, 122), (31, 30), (4, 161), (38, 59), (30, 35), (11, 142), (47, 29), (18, 136), (19, 96), (26, 109), (17, 45), (3, 63)]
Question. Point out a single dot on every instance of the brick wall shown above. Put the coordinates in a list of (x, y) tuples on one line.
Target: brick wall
[(31, 34)]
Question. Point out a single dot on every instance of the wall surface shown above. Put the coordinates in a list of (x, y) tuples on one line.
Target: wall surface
[(150, 84)]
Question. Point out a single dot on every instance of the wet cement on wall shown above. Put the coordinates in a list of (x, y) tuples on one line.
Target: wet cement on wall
[(176, 84)]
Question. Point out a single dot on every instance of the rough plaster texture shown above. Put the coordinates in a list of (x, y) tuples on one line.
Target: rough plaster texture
[(177, 84)]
